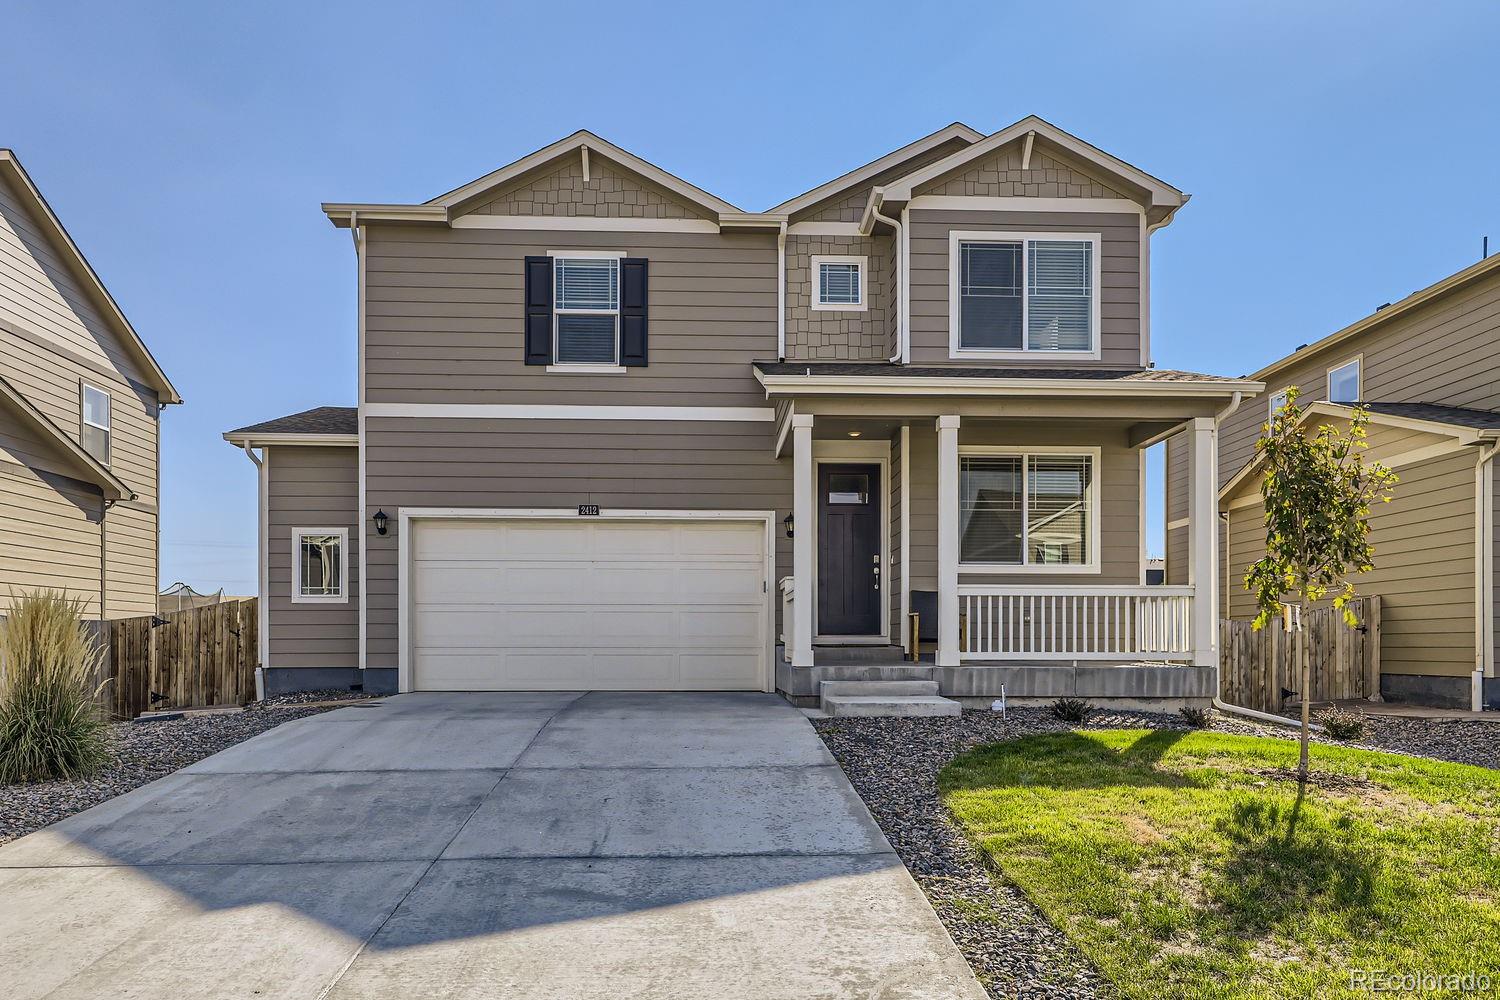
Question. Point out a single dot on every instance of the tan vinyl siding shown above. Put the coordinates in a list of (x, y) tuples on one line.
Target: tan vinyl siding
[(610, 192), (844, 334), (49, 534), (1424, 561), (999, 175), (443, 318), (1118, 500), (311, 487), (1120, 278), (652, 465), (51, 339), (1178, 558)]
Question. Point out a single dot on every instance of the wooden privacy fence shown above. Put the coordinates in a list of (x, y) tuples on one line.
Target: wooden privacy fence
[(1255, 666), (201, 656)]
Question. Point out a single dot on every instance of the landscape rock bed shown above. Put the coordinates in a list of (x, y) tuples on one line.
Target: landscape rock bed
[(141, 752), (894, 762)]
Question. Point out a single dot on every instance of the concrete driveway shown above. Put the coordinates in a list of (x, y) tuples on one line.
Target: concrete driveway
[(484, 845)]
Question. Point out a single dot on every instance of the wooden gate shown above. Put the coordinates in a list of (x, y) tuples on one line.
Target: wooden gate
[(201, 656), (1254, 666)]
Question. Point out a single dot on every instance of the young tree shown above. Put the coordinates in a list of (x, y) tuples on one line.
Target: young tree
[(1317, 491)]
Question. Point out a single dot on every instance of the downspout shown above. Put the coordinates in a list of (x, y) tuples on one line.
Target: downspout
[(1218, 703), (263, 610), (104, 506), (1484, 571), (781, 292), (900, 268)]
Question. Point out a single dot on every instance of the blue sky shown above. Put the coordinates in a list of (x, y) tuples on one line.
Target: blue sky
[(1340, 155)]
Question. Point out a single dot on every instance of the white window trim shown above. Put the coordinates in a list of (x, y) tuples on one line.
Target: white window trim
[(590, 367), (1095, 457), (1359, 379), (1271, 401), (343, 595), (955, 350), (818, 305), (109, 433)]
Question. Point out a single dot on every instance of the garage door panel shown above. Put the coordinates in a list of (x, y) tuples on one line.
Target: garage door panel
[(563, 605)]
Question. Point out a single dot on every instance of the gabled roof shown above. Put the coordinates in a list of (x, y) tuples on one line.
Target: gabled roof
[(575, 143), (860, 175), (1157, 196), (320, 425), (50, 225), (1469, 427), (1485, 268), (89, 467)]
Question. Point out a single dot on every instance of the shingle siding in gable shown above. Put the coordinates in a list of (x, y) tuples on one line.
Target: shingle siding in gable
[(1000, 176), (608, 193), (850, 206), (837, 335)]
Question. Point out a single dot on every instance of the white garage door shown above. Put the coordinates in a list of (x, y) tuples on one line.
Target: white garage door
[(530, 605)]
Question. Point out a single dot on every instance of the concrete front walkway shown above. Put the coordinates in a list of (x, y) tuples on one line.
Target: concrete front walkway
[(484, 845)]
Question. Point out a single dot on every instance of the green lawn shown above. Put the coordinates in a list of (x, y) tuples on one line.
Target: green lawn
[(1187, 865)]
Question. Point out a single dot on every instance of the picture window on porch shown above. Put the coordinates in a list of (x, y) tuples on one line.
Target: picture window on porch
[(1026, 509)]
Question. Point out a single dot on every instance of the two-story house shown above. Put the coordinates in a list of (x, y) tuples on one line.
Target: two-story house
[(80, 403), (615, 433), (1427, 367)]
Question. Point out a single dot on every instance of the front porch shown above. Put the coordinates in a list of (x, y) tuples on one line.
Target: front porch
[(1011, 553)]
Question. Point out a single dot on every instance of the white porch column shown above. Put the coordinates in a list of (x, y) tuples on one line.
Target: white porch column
[(1203, 542), (947, 541), (804, 532)]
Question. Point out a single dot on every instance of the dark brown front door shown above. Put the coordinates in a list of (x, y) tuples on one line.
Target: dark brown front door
[(849, 569)]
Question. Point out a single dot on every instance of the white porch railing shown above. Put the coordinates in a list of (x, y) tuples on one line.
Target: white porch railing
[(1075, 623)]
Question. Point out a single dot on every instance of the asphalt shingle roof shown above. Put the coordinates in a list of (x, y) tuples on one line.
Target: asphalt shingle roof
[(1457, 416), (318, 420)]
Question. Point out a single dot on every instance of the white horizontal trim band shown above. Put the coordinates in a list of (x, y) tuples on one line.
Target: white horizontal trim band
[(823, 229), (563, 411), (585, 224), (944, 202)]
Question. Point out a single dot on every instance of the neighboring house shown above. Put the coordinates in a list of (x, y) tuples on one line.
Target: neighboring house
[(1428, 369), (614, 432), (80, 400)]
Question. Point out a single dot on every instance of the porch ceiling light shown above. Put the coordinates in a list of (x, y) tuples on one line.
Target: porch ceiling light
[(855, 434)]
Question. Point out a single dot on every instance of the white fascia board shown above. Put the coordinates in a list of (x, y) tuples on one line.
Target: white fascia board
[(564, 411), (281, 440), (856, 385), (343, 214), (980, 203)]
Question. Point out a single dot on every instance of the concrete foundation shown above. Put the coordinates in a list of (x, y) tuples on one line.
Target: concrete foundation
[(290, 680), (1439, 692)]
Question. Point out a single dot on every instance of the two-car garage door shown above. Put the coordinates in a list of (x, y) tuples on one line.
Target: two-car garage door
[(533, 604)]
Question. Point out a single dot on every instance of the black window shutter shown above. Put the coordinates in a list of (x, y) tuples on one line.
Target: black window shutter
[(633, 285), (538, 310)]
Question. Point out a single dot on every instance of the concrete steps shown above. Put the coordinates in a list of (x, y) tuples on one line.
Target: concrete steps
[(908, 699)]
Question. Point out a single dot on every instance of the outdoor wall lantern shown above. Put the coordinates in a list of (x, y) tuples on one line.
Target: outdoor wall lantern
[(380, 519), (788, 522)]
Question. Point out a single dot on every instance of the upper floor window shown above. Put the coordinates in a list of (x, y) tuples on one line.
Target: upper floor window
[(1343, 383), (1028, 508), (320, 571), (587, 310), (1275, 402), (1017, 294), (838, 283), (94, 426)]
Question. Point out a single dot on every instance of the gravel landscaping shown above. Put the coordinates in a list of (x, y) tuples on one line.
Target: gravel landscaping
[(894, 763), (143, 752)]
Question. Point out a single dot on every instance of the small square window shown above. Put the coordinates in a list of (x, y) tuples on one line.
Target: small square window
[(1343, 383), (838, 283), (320, 569)]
